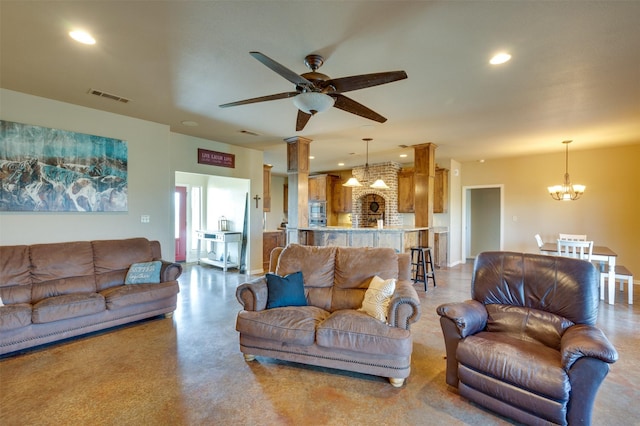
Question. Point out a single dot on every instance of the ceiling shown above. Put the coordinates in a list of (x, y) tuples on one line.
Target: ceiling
[(574, 72)]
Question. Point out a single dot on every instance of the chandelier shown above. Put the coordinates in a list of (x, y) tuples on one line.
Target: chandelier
[(566, 191), (353, 181)]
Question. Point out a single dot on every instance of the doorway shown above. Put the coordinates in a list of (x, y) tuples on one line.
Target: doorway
[(482, 208), (208, 198)]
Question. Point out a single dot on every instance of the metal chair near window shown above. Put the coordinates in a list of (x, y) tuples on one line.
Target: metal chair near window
[(573, 237), (576, 249)]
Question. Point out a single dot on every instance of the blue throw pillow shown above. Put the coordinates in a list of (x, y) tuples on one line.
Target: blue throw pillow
[(144, 273), (285, 291)]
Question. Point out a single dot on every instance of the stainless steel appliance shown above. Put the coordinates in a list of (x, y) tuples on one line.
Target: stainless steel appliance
[(317, 213)]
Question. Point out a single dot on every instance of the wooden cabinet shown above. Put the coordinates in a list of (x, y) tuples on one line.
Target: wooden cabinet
[(441, 252), (318, 187), (271, 240), (285, 198), (441, 191), (341, 197), (406, 191), (266, 185)]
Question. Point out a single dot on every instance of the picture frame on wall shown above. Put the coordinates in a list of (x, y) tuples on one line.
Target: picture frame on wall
[(52, 170)]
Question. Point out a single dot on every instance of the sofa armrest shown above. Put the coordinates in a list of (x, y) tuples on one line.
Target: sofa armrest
[(404, 307), (585, 341), (252, 295), (170, 271), (469, 316)]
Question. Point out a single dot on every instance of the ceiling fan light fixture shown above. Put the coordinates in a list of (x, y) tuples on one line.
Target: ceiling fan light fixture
[(352, 182), (313, 102)]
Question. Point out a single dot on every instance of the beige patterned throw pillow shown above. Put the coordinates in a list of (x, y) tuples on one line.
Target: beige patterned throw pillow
[(377, 298)]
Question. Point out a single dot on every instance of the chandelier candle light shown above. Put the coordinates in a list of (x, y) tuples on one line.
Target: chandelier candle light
[(353, 181), (566, 191)]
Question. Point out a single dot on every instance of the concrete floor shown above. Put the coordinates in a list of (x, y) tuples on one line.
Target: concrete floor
[(188, 371)]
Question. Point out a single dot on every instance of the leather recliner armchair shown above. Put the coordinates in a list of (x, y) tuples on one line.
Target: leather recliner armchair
[(526, 345)]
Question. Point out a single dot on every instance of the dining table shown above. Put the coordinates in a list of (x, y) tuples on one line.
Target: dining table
[(599, 253)]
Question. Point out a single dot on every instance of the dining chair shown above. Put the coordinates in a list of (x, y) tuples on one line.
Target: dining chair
[(573, 237), (576, 249), (539, 241)]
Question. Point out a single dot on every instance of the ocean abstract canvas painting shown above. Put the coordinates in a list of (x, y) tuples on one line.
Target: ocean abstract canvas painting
[(53, 170)]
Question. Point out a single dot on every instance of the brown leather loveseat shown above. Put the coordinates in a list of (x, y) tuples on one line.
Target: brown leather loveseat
[(526, 345), (330, 331), (60, 290)]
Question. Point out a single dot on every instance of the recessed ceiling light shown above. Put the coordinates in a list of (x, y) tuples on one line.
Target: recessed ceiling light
[(500, 58), (82, 37), (311, 157), (189, 123), (340, 164), (403, 155)]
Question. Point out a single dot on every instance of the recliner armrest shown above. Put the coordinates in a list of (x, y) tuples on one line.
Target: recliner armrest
[(253, 295), (585, 341), (469, 316), (404, 307)]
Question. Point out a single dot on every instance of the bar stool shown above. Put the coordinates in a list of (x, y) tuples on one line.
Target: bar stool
[(422, 265)]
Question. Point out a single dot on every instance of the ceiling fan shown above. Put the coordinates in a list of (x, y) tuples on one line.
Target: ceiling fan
[(316, 92)]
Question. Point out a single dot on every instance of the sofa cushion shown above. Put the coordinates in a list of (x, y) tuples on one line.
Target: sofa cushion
[(127, 295), (15, 316), (525, 364), (293, 325), (527, 324), (67, 306), (357, 332), (113, 258), (62, 268), (144, 273), (317, 265), (377, 298), (15, 274), (354, 267), (285, 291)]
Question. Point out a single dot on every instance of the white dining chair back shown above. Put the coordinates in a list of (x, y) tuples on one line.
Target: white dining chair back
[(538, 240), (576, 249), (572, 237)]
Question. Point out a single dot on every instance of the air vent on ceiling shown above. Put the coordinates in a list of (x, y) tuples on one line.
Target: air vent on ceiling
[(249, 132), (111, 96), (403, 146)]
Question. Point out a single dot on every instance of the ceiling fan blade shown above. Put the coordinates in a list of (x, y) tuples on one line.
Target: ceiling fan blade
[(302, 120), (349, 105), (355, 82), (261, 99), (282, 70)]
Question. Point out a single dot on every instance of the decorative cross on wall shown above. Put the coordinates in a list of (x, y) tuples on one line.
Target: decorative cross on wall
[(257, 198)]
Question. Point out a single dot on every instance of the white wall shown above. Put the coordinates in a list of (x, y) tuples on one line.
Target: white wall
[(154, 155), (248, 165), (276, 215), (607, 212)]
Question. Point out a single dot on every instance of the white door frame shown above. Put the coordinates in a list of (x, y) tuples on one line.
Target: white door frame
[(465, 217)]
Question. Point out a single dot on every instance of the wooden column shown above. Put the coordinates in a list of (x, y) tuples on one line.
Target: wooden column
[(298, 176), (424, 181)]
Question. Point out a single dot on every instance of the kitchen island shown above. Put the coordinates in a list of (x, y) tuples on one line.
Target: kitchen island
[(399, 238)]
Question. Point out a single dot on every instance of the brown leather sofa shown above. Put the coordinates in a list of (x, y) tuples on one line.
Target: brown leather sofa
[(526, 345), (60, 290), (330, 331)]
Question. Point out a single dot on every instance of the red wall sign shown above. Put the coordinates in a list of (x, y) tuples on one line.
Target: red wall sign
[(214, 158)]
